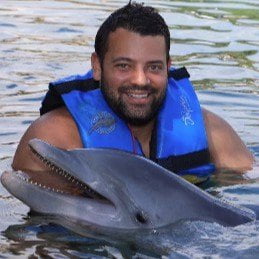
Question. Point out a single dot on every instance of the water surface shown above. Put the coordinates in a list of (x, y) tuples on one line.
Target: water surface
[(218, 42)]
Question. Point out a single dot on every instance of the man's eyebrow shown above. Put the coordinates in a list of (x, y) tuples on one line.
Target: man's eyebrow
[(155, 62), (119, 59)]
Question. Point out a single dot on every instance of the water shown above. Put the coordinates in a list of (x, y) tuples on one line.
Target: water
[(218, 41)]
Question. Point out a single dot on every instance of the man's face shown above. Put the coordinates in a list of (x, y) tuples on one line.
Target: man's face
[(134, 75)]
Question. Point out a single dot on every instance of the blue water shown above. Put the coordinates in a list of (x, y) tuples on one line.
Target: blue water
[(218, 41)]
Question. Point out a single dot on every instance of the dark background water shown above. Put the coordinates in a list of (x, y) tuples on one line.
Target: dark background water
[(218, 42)]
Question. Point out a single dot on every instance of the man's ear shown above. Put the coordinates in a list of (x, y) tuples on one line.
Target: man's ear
[(96, 67)]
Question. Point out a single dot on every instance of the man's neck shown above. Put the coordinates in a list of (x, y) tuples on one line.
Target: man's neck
[(143, 134)]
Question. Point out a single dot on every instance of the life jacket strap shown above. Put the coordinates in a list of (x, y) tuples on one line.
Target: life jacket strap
[(178, 74), (182, 162)]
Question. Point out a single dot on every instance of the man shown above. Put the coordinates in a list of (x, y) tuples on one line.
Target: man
[(142, 105)]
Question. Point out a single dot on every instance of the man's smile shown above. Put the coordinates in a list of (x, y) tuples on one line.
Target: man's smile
[(137, 94), (137, 97)]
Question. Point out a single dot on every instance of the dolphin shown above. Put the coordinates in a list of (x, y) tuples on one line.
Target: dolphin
[(112, 191)]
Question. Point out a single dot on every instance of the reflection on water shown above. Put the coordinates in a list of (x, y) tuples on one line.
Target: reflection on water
[(48, 240), (218, 41)]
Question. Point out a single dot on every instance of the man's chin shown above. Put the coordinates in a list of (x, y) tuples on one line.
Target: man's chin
[(137, 115), (137, 120)]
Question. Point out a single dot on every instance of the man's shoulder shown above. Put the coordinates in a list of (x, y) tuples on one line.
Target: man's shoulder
[(227, 149), (60, 115), (213, 120), (53, 121), (56, 127)]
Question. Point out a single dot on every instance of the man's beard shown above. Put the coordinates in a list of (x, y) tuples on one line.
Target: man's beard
[(138, 114)]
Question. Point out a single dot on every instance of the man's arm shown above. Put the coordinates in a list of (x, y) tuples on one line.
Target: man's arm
[(57, 128), (226, 148)]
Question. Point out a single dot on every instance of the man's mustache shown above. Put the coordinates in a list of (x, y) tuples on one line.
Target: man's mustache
[(132, 88)]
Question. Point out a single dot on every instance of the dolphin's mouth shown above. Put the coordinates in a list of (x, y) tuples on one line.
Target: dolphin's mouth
[(60, 181)]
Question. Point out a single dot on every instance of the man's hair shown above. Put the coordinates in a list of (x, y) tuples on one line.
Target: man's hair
[(134, 17)]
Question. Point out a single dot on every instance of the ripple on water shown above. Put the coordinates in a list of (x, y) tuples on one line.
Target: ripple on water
[(217, 41)]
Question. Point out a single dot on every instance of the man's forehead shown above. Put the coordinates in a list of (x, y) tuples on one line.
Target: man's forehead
[(127, 43), (126, 33)]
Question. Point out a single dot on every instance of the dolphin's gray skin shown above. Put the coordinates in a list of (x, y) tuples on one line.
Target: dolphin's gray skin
[(117, 192)]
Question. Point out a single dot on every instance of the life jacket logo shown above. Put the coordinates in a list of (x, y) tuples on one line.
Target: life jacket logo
[(103, 123), (186, 111)]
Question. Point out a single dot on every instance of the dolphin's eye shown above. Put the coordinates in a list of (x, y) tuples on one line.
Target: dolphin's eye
[(141, 218)]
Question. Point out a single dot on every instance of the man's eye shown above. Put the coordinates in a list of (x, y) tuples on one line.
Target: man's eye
[(155, 68), (122, 66)]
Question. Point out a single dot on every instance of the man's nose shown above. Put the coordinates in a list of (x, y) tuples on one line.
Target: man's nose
[(139, 77)]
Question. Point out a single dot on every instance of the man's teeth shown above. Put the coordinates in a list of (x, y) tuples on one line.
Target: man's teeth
[(139, 96)]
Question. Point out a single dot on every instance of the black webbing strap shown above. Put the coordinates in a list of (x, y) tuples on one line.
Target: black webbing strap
[(183, 162), (53, 97), (179, 73)]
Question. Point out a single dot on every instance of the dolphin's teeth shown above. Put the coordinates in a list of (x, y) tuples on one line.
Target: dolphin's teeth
[(56, 169), (26, 179), (22, 175), (88, 189)]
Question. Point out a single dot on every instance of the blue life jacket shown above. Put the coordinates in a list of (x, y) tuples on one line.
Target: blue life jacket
[(178, 142)]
